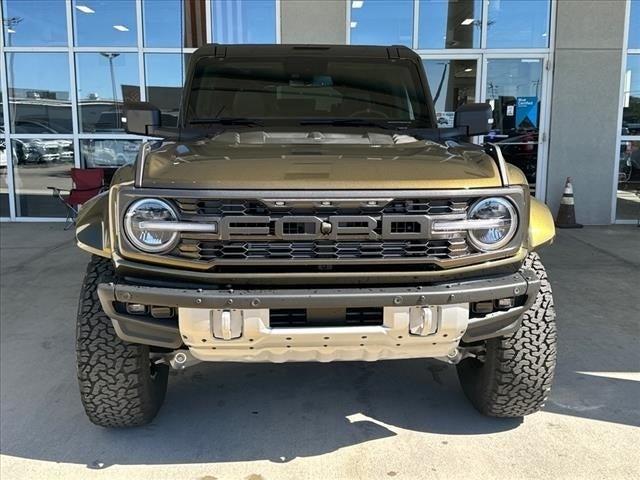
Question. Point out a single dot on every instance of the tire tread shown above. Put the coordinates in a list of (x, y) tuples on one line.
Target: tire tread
[(116, 386), (518, 371)]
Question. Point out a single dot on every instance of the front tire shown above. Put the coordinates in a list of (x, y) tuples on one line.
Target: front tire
[(119, 386), (516, 374)]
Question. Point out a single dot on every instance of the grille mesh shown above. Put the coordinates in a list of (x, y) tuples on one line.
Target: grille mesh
[(418, 206), (216, 250)]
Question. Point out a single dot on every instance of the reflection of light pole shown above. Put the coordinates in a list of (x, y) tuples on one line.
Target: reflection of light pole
[(111, 56), (9, 23)]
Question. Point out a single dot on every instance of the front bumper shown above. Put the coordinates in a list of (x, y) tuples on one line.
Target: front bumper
[(259, 342)]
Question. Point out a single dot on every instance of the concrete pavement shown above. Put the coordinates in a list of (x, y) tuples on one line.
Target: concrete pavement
[(401, 420)]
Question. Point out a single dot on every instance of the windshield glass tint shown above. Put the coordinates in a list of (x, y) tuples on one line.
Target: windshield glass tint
[(307, 89)]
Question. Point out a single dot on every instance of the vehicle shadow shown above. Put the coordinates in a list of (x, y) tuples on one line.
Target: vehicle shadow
[(244, 412)]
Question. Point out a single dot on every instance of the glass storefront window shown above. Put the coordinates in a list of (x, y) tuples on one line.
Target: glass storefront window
[(105, 81), (450, 24), (628, 193), (108, 153), (514, 89), (246, 21), (162, 23), (105, 23), (383, 22), (631, 105), (4, 185), (34, 23), (518, 23), (4, 159), (452, 83), (38, 164), (164, 83), (634, 25), (39, 100)]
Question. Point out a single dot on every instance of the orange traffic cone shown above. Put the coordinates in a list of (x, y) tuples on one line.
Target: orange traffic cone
[(566, 217)]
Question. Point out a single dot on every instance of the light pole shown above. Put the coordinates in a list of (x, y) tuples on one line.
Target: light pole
[(111, 56), (9, 23)]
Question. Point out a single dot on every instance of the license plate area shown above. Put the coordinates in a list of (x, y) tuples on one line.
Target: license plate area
[(325, 317)]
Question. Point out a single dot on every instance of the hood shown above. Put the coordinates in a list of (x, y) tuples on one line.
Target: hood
[(398, 162)]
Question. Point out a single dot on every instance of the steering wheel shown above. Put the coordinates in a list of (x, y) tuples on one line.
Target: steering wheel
[(368, 111)]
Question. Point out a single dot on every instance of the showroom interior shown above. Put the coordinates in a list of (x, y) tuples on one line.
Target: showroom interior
[(562, 77)]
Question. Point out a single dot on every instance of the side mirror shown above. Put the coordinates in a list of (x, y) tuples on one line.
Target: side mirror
[(477, 118), (141, 118)]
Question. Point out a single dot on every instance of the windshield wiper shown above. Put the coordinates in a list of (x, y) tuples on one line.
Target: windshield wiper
[(227, 121), (350, 122)]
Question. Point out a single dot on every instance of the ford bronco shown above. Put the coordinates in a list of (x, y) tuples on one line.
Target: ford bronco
[(307, 208)]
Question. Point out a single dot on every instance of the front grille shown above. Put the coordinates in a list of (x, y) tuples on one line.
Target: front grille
[(264, 230), (418, 206), (217, 250)]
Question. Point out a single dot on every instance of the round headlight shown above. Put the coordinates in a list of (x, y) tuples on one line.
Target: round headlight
[(150, 210), (501, 215)]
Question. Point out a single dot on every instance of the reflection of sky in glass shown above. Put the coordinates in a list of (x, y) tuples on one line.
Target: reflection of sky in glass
[(634, 24), (458, 80), (248, 21), (162, 23), (631, 112), (47, 72), (633, 73), (164, 69), (518, 23), (514, 78), (382, 22), (164, 81), (94, 75), (41, 82), (112, 23), (35, 23), (441, 24)]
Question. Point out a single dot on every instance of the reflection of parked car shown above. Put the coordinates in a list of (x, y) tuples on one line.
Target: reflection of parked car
[(629, 169), (43, 150), (522, 151), (3, 154), (109, 153)]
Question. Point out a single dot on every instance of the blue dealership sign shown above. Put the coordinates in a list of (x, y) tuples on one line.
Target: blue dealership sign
[(526, 112)]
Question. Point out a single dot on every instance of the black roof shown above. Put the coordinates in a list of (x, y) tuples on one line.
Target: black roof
[(310, 50)]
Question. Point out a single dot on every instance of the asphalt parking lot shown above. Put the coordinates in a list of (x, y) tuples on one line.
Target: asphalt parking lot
[(397, 419)]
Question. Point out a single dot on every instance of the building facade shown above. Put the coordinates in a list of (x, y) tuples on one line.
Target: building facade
[(563, 78)]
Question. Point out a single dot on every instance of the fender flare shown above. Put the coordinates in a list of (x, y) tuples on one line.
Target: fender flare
[(542, 229), (92, 226)]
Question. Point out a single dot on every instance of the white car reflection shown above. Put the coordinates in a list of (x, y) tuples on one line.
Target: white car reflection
[(43, 151), (108, 153)]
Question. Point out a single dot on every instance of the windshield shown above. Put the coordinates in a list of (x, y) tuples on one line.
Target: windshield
[(304, 89)]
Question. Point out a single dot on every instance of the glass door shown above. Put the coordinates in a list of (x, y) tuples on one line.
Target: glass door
[(453, 82), (516, 89)]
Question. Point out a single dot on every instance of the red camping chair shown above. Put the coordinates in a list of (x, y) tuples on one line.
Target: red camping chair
[(87, 183)]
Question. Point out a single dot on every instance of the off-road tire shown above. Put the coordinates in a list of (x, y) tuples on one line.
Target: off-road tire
[(118, 385), (516, 375)]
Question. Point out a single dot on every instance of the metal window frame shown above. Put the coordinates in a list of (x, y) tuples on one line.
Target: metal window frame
[(625, 52)]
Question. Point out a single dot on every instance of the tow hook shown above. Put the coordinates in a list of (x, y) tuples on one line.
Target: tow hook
[(181, 359)]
